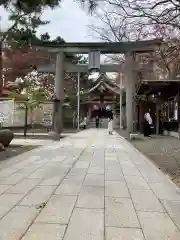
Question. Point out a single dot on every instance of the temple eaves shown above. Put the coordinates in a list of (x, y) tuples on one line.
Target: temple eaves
[(103, 47), (97, 86)]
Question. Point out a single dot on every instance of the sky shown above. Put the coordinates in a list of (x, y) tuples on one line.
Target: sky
[(69, 21)]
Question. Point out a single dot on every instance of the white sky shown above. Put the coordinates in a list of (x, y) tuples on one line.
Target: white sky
[(70, 22)]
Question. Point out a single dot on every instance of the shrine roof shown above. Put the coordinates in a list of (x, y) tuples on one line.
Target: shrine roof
[(103, 83), (167, 88)]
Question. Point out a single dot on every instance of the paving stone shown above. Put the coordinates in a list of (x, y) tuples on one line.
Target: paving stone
[(78, 179), (10, 199), (7, 172), (116, 189), (13, 179), (96, 170), (58, 210), (146, 168), (82, 164), (28, 170), (113, 167), (127, 164), (94, 180), (173, 209), (58, 158), (4, 188), (158, 226), (113, 233), (97, 162), (16, 222), (38, 195), (45, 232), (19, 165), (145, 200), (53, 180), (112, 164), (112, 158), (136, 182), (165, 191), (132, 171), (91, 197), (24, 186), (32, 158), (60, 168), (153, 176), (116, 175), (40, 162), (39, 173), (119, 212), (123, 159), (78, 172), (4, 210), (67, 188), (92, 227)]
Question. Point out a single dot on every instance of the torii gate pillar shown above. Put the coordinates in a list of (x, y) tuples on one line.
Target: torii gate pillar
[(130, 92), (59, 95)]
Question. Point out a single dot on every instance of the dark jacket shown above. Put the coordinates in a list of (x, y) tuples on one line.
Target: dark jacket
[(109, 114)]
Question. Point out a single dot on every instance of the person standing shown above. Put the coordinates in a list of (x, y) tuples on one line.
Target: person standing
[(161, 118), (97, 122), (85, 122), (147, 124), (110, 121)]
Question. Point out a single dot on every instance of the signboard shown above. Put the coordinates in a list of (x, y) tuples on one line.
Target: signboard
[(47, 114), (6, 112)]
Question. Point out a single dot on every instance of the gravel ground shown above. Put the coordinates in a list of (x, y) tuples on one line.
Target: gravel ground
[(164, 151)]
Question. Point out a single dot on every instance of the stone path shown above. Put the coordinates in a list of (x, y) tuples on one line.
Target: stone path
[(88, 186)]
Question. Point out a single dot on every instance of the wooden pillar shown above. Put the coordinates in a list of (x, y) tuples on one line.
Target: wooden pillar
[(120, 101), (141, 116), (158, 104), (89, 111), (168, 110), (137, 116), (120, 110), (178, 107), (178, 102)]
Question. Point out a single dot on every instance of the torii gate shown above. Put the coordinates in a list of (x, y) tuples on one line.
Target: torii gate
[(129, 49)]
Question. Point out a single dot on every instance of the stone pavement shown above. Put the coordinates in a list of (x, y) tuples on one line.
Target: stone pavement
[(88, 186)]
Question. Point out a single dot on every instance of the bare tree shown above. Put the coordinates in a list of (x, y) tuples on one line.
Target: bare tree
[(120, 21), (166, 12)]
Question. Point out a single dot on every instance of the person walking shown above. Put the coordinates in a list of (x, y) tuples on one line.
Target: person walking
[(147, 124)]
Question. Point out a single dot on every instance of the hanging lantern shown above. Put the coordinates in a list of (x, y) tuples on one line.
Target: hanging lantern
[(94, 61)]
